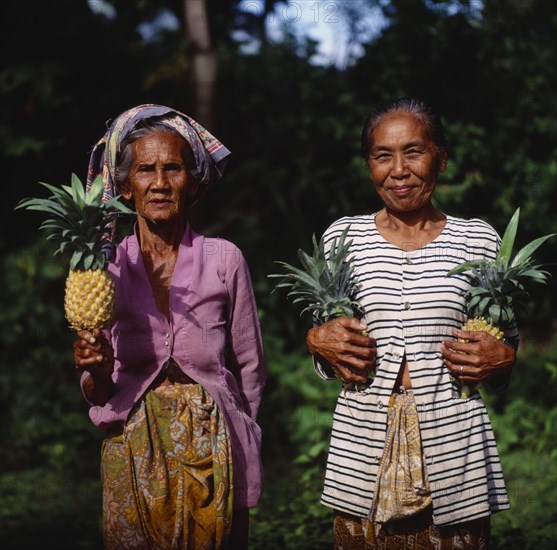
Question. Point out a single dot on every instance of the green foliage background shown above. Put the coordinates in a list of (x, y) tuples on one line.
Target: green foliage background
[(293, 127)]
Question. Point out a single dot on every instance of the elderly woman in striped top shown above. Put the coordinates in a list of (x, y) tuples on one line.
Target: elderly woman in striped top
[(411, 464)]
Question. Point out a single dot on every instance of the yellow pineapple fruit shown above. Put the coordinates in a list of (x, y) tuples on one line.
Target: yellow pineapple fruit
[(80, 223), (480, 324), (89, 298), (497, 287)]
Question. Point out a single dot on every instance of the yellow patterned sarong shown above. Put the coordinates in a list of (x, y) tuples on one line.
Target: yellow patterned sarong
[(167, 479), (413, 533), (402, 485), (402, 514)]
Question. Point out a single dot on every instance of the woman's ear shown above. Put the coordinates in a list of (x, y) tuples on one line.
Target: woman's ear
[(443, 161), (125, 191)]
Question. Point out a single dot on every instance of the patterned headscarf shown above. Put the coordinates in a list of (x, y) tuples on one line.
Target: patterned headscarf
[(210, 154)]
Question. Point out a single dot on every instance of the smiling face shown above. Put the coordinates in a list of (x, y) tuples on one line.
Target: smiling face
[(404, 162), (158, 180)]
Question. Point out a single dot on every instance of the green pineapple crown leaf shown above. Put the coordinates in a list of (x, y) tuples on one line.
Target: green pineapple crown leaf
[(78, 221), (498, 286), (325, 283)]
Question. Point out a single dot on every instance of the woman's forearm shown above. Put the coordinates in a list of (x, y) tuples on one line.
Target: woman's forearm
[(98, 389)]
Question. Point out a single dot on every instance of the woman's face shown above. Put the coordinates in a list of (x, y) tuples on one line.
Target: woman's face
[(158, 181), (404, 162)]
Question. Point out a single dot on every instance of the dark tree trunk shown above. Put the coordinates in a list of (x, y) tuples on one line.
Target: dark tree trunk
[(203, 60)]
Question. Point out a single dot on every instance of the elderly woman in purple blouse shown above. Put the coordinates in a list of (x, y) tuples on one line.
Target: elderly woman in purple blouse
[(176, 382)]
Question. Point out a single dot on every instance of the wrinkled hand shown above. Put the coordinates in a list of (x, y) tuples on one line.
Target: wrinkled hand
[(341, 345), (93, 353), (480, 359)]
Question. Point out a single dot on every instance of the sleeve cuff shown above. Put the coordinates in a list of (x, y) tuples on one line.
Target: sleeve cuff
[(324, 372)]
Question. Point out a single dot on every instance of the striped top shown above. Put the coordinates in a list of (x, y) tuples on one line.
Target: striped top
[(410, 307)]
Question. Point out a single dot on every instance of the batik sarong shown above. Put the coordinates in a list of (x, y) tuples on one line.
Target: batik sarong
[(167, 479), (413, 533), (401, 512), (402, 486)]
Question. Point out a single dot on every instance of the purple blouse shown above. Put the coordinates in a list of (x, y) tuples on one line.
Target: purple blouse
[(212, 307)]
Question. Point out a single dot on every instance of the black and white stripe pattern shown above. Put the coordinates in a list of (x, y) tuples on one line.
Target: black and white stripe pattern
[(411, 306)]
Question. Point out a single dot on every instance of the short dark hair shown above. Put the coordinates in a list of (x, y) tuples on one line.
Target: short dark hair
[(421, 110), (124, 156)]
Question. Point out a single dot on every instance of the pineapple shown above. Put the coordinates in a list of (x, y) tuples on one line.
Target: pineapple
[(325, 283), (80, 223), (496, 287)]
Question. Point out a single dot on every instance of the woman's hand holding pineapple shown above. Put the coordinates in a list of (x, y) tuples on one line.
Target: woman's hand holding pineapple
[(340, 345), (339, 341), (94, 354), (478, 358)]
